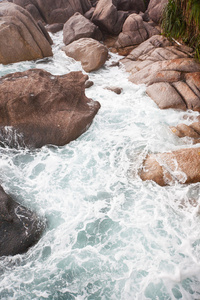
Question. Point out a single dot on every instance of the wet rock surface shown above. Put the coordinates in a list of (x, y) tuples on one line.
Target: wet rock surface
[(114, 89), (19, 227), (44, 109), (191, 131), (181, 166)]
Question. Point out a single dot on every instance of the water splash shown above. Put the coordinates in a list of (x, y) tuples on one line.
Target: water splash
[(109, 235)]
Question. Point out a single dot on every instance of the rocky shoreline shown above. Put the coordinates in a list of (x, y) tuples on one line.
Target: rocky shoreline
[(46, 109)]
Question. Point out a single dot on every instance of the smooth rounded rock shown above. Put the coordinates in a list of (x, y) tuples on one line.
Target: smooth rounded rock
[(79, 27), (21, 37), (133, 32), (91, 53)]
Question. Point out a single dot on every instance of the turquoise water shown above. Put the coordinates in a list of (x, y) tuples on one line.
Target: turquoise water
[(109, 235)]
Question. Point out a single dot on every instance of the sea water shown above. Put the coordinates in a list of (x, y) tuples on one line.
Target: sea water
[(109, 235)]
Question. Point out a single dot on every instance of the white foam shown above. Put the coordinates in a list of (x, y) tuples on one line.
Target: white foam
[(109, 235)]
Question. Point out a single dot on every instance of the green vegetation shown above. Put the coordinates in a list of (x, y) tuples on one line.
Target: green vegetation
[(181, 20)]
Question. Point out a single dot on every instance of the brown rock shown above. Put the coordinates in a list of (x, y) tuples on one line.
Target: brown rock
[(53, 28), (88, 84), (107, 17), (177, 132), (196, 126), (188, 131), (167, 168), (171, 75), (114, 89), (43, 108), (151, 30), (33, 10), (44, 31), (89, 13), (21, 38), (136, 5), (192, 131), (15, 238), (155, 9), (79, 27), (193, 81), (90, 52), (154, 70), (51, 11), (190, 98), (146, 48), (133, 32), (165, 96)]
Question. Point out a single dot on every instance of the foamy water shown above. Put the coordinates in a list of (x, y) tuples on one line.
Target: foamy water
[(109, 235)]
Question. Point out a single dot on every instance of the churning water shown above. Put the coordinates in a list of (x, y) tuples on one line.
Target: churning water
[(109, 235)]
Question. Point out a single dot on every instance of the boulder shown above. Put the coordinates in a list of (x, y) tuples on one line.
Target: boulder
[(45, 32), (169, 71), (21, 37), (90, 52), (181, 166), (146, 48), (193, 81), (51, 11), (79, 27), (135, 31), (155, 9), (53, 28), (20, 228), (88, 15), (192, 131), (114, 89), (165, 96), (88, 84), (33, 10), (94, 2), (107, 17), (40, 108)]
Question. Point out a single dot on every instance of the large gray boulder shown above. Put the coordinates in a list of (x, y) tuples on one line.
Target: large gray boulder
[(41, 108), (21, 37), (79, 27)]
